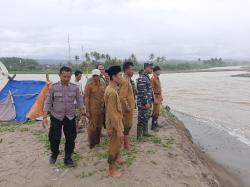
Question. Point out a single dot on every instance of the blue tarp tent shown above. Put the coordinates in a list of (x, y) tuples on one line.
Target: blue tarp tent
[(24, 94)]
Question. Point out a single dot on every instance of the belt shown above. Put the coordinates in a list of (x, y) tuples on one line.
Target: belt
[(157, 93)]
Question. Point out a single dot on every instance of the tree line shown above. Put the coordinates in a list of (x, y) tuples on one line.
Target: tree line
[(91, 59)]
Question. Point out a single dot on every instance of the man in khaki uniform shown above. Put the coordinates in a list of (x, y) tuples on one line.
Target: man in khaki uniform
[(156, 85), (94, 100), (104, 77), (127, 99), (103, 74), (114, 119)]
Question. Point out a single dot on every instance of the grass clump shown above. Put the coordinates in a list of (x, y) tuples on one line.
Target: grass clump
[(85, 174), (8, 126), (102, 155), (166, 142), (166, 112)]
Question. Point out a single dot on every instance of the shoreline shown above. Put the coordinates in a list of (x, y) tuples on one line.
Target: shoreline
[(170, 158), (228, 177), (211, 69), (220, 146)]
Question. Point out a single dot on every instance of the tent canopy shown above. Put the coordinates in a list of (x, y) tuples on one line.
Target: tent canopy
[(24, 94)]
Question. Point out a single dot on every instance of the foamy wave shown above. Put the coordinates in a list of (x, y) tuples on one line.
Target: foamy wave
[(218, 124)]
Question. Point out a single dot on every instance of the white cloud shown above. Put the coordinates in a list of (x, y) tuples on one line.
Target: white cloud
[(173, 28)]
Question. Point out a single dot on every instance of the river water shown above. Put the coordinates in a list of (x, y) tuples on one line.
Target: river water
[(214, 98)]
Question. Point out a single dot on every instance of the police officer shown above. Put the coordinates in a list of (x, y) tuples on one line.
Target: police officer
[(145, 99), (61, 102)]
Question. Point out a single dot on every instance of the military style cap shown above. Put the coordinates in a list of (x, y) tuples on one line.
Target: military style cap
[(148, 64)]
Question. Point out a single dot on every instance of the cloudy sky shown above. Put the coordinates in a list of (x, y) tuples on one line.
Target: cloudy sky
[(180, 29)]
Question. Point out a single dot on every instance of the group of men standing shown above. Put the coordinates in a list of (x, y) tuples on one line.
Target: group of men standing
[(108, 101)]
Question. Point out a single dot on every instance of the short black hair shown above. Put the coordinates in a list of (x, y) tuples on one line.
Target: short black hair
[(126, 65), (156, 68), (66, 69), (114, 70), (140, 71), (100, 64), (78, 72)]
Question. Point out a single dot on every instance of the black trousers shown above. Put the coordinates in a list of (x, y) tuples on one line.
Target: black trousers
[(55, 134)]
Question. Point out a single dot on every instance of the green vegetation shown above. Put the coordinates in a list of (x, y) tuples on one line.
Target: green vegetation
[(42, 137), (84, 174), (128, 156), (165, 112), (27, 66), (8, 126), (90, 60), (166, 142), (102, 155), (12, 126)]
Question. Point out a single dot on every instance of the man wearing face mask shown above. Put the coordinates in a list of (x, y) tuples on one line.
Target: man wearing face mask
[(94, 101), (61, 102)]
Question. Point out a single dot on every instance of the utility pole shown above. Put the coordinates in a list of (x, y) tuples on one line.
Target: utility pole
[(69, 50), (82, 53)]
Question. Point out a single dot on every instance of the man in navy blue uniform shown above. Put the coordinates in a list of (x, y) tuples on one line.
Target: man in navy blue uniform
[(145, 99)]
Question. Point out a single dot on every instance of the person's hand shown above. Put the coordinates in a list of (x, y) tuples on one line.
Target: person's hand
[(77, 126), (45, 122), (120, 136), (88, 115), (147, 106), (156, 102)]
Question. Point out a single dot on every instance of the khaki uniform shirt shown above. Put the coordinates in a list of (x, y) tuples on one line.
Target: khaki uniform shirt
[(126, 94), (156, 85), (102, 81), (113, 110), (94, 97)]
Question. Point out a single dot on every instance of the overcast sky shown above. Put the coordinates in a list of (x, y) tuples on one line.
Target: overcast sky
[(180, 29)]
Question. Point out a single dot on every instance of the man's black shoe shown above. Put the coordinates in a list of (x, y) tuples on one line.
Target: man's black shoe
[(68, 161), (52, 159), (159, 126), (155, 129)]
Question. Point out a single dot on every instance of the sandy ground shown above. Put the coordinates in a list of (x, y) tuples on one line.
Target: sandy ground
[(168, 159)]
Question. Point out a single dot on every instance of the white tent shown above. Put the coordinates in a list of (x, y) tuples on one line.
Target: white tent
[(4, 74)]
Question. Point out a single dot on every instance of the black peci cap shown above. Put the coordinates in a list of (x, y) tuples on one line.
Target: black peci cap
[(156, 68), (114, 70)]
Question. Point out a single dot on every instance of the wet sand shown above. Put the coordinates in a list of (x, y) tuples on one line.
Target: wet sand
[(168, 159)]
